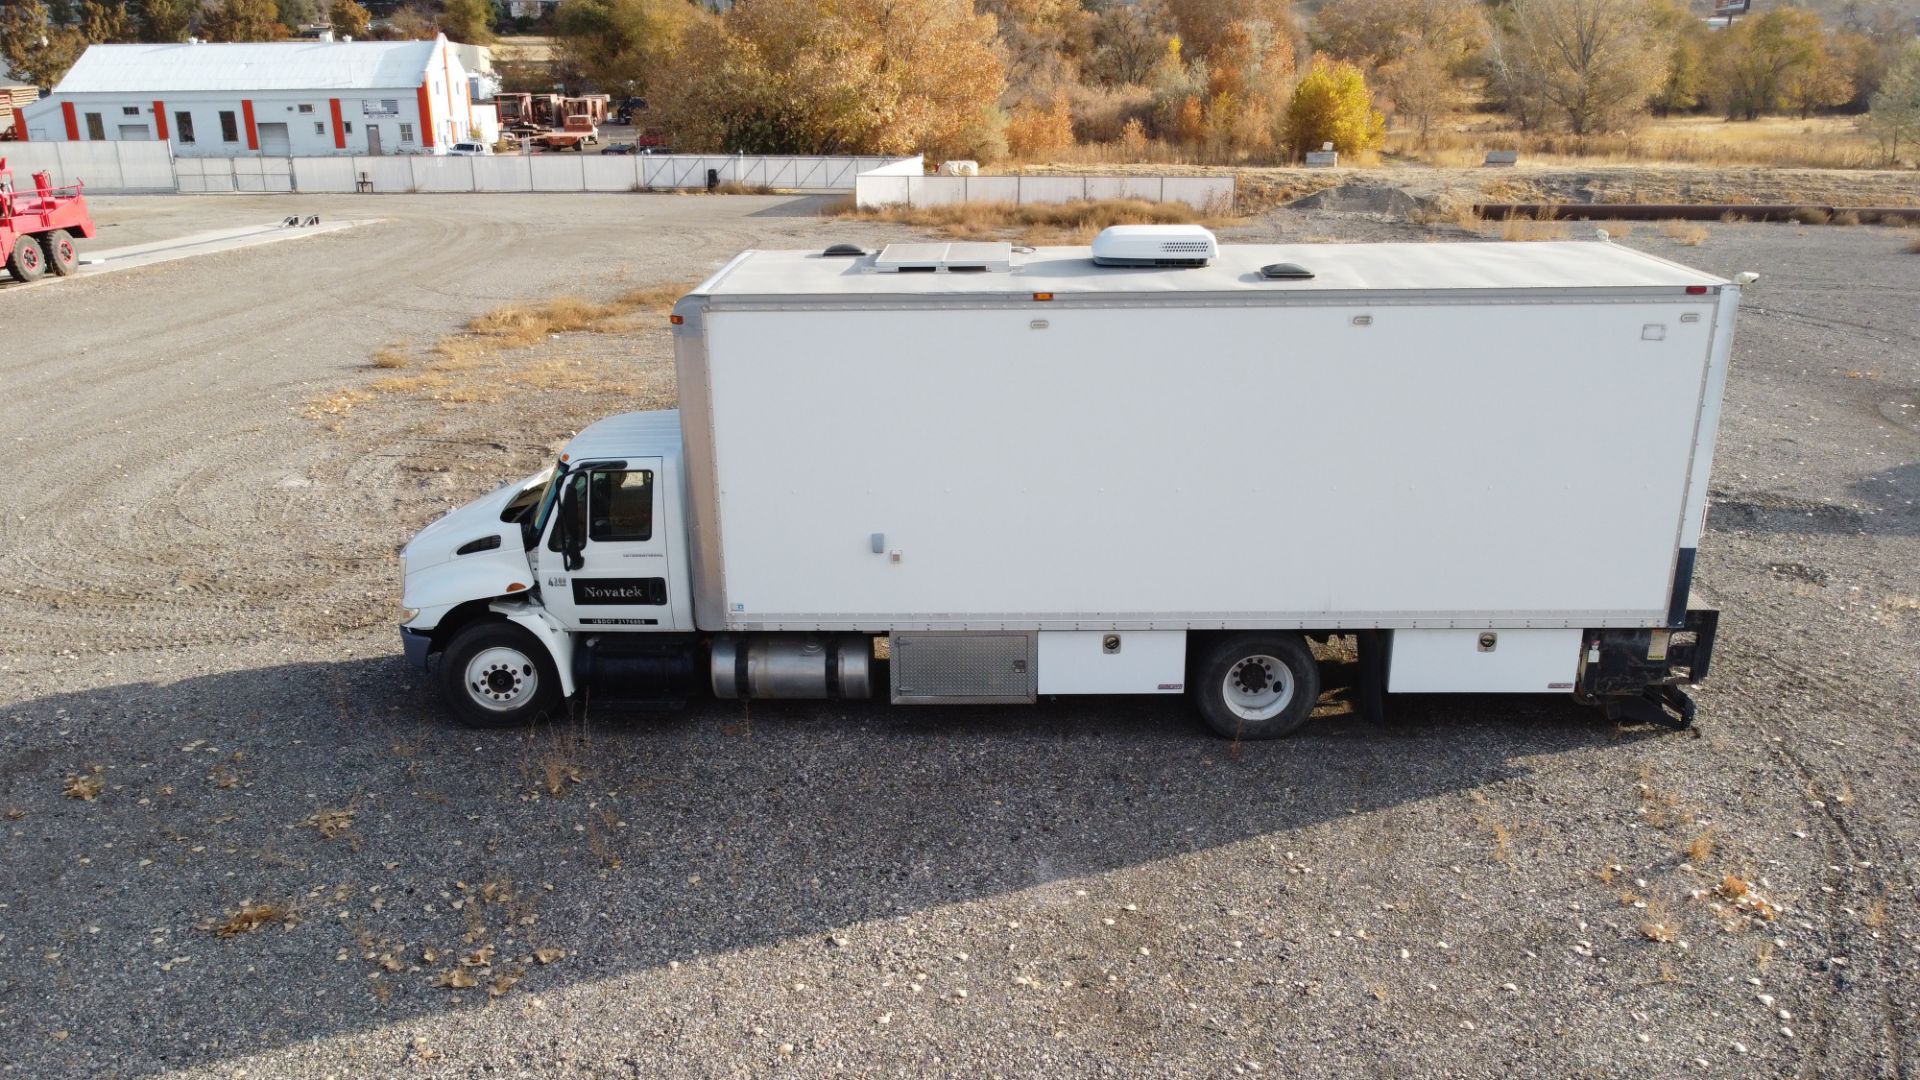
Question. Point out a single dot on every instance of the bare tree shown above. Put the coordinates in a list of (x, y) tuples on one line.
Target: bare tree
[(1593, 61)]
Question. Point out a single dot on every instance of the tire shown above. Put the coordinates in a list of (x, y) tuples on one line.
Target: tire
[(28, 262), (1258, 685), (494, 674), (62, 257)]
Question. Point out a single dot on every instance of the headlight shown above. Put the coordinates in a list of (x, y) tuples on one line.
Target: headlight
[(409, 614)]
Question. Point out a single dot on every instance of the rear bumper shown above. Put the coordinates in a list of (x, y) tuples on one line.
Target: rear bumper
[(416, 644)]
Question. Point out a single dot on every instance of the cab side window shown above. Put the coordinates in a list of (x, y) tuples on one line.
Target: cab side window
[(622, 506)]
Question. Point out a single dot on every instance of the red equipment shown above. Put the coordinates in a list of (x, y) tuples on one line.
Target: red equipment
[(37, 228)]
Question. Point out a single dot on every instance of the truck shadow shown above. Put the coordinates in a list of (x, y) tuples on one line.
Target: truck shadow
[(336, 793)]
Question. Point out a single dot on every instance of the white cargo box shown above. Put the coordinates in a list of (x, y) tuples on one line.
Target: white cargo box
[(1419, 435)]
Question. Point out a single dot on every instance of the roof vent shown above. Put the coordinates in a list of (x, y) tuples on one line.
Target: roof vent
[(846, 251), (1154, 245), (1285, 272), (962, 257)]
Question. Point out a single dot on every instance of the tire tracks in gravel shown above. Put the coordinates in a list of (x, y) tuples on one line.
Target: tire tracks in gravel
[(173, 491), (1849, 840)]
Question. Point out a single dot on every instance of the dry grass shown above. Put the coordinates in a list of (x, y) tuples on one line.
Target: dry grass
[(332, 822), (1700, 849), (87, 786), (1819, 143), (1810, 215), (1913, 246), (389, 357), (478, 366), (735, 187), (1656, 925), (1876, 917), (1684, 233), (1050, 223), (252, 916), (1520, 228)]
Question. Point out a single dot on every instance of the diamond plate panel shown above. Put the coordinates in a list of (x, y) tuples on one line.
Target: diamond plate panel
[(952, 668)]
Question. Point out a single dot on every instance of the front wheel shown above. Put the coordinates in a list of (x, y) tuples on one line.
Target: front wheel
[(1257, 686), (497, 675), (28, 262)]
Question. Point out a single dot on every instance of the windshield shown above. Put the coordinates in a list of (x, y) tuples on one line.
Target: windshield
[(531, 507)]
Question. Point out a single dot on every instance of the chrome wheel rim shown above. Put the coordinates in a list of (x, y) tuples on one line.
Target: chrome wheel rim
[(1257, 687), (502, 679)]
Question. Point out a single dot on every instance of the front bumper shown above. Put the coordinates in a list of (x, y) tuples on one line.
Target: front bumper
[(416, 644)]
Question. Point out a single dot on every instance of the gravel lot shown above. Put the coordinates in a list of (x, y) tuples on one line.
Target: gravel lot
[(198, 542)]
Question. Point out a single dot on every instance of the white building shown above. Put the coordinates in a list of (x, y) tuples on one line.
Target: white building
[(282, 98)]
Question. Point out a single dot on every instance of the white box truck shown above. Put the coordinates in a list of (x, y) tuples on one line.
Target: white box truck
[(974, 473)]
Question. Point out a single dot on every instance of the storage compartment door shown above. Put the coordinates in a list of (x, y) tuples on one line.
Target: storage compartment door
[(1483, 661)]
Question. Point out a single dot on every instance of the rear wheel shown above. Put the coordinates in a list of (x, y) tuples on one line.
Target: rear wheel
[(28, 262), (497, 675), (1257, 685), (62, 257)]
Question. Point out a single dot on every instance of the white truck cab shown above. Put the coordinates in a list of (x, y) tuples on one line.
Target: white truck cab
[(1159, 466)]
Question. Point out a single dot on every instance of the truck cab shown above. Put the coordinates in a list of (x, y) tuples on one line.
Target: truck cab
[(592, 545)]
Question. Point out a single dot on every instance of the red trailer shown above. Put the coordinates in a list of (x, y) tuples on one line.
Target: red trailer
[(37, 228)]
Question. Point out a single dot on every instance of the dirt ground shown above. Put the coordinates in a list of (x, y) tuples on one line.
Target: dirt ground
[(239, 837)]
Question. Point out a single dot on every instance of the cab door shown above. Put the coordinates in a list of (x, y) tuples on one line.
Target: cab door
[(611, 515)]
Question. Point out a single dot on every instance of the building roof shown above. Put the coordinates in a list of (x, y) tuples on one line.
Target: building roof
[(251, 66), (1363, 268)]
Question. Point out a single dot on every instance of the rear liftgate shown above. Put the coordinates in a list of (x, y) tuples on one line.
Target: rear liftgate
[(1636, 675)]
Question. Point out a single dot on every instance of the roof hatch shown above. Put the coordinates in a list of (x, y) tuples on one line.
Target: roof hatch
[(961, 257), (1154, 245)]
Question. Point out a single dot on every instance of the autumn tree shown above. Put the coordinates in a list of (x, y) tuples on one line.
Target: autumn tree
[(37, 49), (618, 44), (1767, 62), (1036, 131), (349, 19), (294, 14), (105, 21), (835, 76), (1128, 39), (468, 21), (1204, 25), (409, 23), (1333, 105), (1375, 32), (243, 20), (1592, 62), (167, 20), (1895, 119), (1685, 35), (1041, 42)]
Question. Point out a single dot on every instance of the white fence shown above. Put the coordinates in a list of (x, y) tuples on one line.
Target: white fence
[(110, 167), (103, 166), (1209, 193)]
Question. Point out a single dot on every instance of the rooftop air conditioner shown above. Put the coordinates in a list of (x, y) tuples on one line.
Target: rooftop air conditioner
[(1154, 245)]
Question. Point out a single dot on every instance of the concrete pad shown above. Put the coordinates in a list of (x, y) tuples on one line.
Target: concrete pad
[(204, 243), (107, 260)]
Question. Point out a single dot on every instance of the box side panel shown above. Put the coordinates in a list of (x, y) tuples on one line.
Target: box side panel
[(1042, 466)]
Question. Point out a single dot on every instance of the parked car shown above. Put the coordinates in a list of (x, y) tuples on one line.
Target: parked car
[(653, 150), (469, 149), (620, 148)]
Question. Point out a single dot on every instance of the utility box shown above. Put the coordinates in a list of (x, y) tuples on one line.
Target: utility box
[(1444, 436)]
